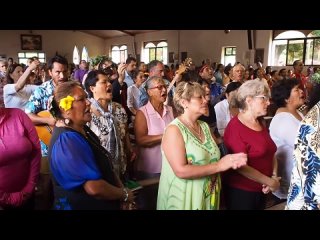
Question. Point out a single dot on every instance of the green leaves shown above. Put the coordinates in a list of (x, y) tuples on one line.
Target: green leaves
[(99, 59)]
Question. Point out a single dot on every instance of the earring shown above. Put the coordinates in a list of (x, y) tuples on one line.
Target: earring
[(67, 121)]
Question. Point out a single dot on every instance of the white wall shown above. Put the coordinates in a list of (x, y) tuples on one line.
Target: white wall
[(200, 44), (126, 40), (62, 41), (264, 40), (171, 36)]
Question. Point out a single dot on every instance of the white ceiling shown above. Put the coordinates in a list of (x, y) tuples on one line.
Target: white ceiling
[(105, 34)]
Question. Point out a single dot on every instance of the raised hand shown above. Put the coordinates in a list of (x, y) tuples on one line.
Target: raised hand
[(121, 72)]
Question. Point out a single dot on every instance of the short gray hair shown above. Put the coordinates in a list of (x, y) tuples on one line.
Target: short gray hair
[(152, 80), (250, 88)]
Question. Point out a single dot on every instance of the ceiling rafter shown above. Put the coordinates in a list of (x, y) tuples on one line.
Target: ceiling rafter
[(126, 32), (107, 34)]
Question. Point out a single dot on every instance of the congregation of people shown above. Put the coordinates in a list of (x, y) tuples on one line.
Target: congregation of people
[(213, 136)]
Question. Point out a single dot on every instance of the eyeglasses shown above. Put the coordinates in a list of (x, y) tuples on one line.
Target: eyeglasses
[(265, 98), (199, 97), (159, 87)]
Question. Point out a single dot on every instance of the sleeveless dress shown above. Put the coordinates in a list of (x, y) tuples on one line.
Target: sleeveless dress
[(191, 194)]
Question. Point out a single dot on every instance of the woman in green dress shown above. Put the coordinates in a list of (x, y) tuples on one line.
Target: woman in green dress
[(190, 157)]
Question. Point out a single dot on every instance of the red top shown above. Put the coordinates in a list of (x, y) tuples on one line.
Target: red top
[(260, 149), (20, 156)]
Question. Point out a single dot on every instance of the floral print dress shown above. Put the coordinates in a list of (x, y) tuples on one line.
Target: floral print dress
[(304, 190), (101, 126)]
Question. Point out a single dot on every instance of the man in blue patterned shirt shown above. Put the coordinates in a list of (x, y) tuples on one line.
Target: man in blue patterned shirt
[(38, 101)]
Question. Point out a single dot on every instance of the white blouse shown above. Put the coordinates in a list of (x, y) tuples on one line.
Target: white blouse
[(283, 130)]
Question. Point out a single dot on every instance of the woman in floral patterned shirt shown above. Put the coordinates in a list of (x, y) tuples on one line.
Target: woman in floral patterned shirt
[(304, 190), (109, 120)]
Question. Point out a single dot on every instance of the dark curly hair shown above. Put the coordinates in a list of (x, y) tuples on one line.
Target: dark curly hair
[(281, 91)]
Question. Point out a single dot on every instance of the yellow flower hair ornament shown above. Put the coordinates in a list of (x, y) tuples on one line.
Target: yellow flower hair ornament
[(66, 102)]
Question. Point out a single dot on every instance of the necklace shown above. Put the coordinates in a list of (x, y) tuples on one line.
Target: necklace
[(193, 130)]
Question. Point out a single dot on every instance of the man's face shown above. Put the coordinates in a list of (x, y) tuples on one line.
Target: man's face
[(207, 73), (238, 73), (299, 66), (59, 73), (157, 71), (131, 66)]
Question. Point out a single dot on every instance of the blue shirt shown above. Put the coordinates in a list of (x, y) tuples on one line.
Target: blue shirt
[(72, 161), (128, 79), (38, 101)]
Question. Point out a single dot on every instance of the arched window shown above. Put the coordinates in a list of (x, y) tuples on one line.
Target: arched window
[(294, 45), (76, 57), (84, 54), (156, 51), (119, 53)]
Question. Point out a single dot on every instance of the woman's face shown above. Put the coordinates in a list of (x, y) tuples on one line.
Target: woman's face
[(143, 67), (158, 91), (246, 75), (206, 88), (259, 104), (103, 88), (141, 78), (296, 97), (79, 114), (198, 104), (16, 74)]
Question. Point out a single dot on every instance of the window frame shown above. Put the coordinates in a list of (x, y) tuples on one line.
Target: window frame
[(34, 54), (232, 54), (122, 53), (232, 49), (84, 53), (156, 49), (304, 50), (76, 55)]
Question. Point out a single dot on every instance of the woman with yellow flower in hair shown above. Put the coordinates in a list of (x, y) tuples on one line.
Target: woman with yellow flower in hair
[(191, 161), (82, 170)]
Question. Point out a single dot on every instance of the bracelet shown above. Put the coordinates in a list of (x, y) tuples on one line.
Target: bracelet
[(126, 194)]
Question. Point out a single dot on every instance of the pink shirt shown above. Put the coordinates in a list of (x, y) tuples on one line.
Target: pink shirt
[(20, 156), (150, 158)]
